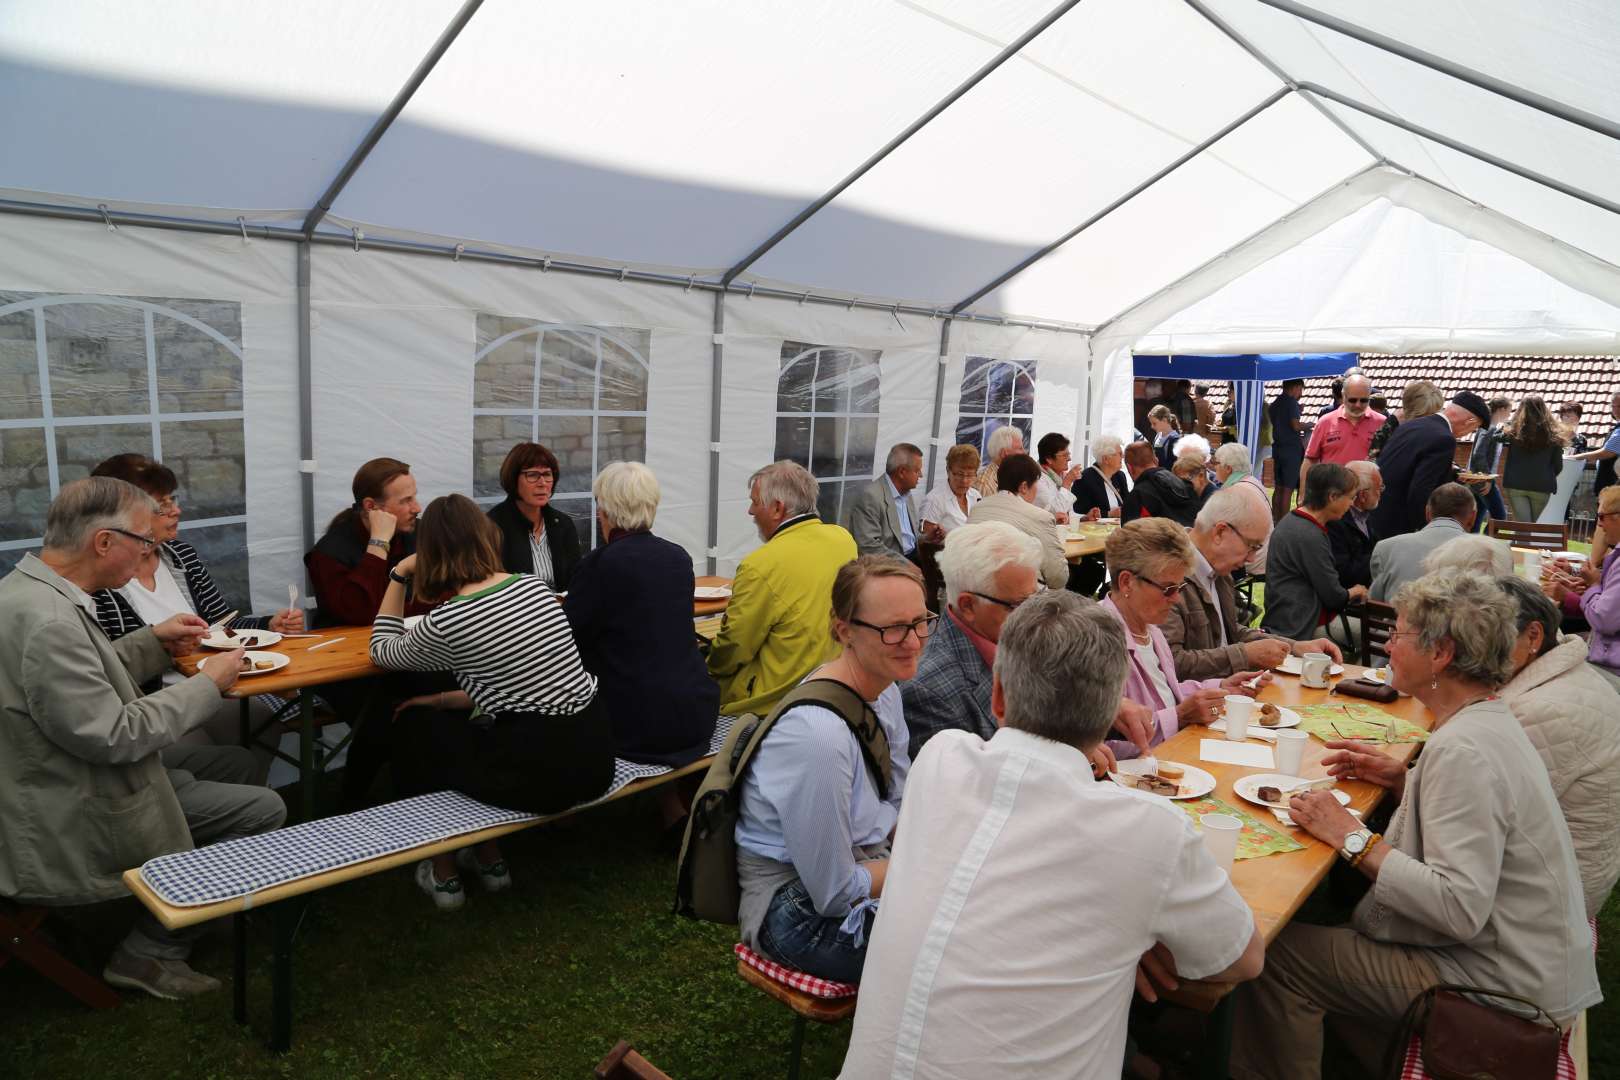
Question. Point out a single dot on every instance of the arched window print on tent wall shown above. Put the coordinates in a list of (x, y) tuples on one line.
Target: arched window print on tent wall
[(995, 393), (85, 377), (581, 391), (827, 416)]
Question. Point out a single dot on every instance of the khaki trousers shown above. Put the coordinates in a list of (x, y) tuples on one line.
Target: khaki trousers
[(1312, 974)]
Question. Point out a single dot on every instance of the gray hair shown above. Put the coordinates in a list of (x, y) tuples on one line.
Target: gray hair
[(1476, 554), (1534, 607), (788, 483), (900, 456), (1471, 612), (1001, 439), (1061, 663), (1232, 505), (1106, 446), (85, 507), (974, 554), (1365, 471), (1233, 455), (626, 492)]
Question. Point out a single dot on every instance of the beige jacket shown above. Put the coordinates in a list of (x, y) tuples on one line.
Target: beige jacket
[(83, 796), (1031, 519), (1572, 716)]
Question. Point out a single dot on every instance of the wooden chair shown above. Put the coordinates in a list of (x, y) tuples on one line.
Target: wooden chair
[(1530, 534), (623, 1063), (805, 1007), (1377, 623), (20, 938)]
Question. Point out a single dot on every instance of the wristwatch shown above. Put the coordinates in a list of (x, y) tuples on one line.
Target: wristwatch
[(1356, 844), (377, 543), (395, 577)]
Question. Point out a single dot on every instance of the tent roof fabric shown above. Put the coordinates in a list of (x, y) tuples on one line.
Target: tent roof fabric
[(677, 138)]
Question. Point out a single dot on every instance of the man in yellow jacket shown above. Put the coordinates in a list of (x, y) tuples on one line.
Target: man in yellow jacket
[(777, 628)]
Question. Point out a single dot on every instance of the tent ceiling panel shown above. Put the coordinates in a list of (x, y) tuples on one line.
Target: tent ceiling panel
[(1589, 228), (239, 107), (1089, 121), (1189, 217), (1568, 51), (619, 133)]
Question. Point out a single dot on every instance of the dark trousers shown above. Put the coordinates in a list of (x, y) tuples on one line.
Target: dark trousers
[(368, 706), (529, 762)]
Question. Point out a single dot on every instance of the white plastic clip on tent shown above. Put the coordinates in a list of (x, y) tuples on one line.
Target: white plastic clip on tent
[(269, 242)]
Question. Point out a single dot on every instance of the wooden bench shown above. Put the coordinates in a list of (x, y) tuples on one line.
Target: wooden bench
[(623, 1063), (805, 1006), (21, 938), (288, 915)]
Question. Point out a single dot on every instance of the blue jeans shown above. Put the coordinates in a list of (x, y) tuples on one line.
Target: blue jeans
[(796, 934)]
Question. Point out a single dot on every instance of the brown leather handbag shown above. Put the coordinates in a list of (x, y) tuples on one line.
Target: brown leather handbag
[(1358, 687), (1465, 1040)]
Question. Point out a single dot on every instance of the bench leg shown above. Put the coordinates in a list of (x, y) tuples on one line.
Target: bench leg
[(20, 937), (239, 974), (797, 1053), (287, 916), (308, 776)]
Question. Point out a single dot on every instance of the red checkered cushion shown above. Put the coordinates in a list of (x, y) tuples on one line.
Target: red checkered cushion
[(798, 980)]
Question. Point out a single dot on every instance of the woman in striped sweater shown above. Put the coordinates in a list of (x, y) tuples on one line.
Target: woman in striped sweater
[(525, 731)]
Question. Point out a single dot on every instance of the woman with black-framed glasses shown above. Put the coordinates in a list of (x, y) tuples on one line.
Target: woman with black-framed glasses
[(814, 821), (1148, 562)]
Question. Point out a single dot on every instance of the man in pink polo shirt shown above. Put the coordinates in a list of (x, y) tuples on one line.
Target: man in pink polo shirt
[(1345, 434)]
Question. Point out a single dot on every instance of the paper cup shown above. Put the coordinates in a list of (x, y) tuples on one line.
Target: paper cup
[(1239, 708), (1291, 750), (1221, 838), (1531, 567)]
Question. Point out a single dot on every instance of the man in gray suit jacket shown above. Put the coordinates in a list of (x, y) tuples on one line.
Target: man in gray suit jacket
[(1399, 559), (84, 795), (884, 518)]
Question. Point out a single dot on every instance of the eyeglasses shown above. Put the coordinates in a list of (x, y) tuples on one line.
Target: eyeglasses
[(894, 635), (537, 476), (1253, 545), (964, 474), (1601, 514), (1393, 634), (1170, 591), (1010, 605), (147, 542), (1357, 400)]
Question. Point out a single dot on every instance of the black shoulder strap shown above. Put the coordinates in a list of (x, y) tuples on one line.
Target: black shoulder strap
[(854, 711)]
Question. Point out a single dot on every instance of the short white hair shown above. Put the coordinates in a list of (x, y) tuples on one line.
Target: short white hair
[(1001, 439), (1472, 553), (85, 507), (974, 554), (1192, 444), (626, 492), (1233, 455), (900, 457), (1238, 504), (1106, 446), (1364, 470), (788, 483)]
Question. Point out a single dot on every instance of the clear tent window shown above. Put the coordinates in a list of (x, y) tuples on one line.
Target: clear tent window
[(995, 393), (827, 401)]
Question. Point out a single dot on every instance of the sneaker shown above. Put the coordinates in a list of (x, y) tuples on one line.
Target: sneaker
[(167, 979), (493, 878), (447, 895)]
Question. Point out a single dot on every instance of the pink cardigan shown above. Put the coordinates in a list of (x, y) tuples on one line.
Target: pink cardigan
[(1139, 686)]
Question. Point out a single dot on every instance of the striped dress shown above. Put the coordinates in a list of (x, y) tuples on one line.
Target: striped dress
[(509, 647)]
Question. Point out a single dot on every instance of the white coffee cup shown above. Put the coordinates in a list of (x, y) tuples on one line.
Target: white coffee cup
[(1221, 838), (1530, 568), (1291, 750), (1239, 710), (1314, 668)]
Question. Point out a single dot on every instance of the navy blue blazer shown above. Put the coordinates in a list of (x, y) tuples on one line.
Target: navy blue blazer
[(1089, 492), (1418, 458)]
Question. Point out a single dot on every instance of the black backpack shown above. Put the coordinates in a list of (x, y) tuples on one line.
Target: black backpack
[(706, 885)]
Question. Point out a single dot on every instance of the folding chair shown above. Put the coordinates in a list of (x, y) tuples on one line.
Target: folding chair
[(1530, 534)]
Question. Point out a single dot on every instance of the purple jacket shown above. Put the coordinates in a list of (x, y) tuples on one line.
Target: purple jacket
[(1139, 686), (1601, 606)]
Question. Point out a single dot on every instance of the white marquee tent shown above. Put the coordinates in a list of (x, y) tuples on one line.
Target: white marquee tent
[(269, 242)]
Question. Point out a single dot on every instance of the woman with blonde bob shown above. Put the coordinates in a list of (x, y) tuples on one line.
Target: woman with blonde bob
[(525, 731), (630, 606), (949, 504), (1474, 884)]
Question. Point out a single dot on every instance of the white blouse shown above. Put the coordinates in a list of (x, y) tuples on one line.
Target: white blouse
[(943, 510)]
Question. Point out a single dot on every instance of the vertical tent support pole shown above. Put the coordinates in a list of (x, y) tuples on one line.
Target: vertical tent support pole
[(939, 400), (306, 401), (715, 369)]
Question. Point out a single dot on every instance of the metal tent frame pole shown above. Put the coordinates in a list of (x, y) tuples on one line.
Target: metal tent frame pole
[(893, 144), (939, 400), (1280, 93), (306, 401), (716, 368), (1462, 148), (1528, 98)]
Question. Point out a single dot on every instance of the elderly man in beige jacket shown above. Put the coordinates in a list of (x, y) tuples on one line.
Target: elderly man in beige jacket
[(83, 794)]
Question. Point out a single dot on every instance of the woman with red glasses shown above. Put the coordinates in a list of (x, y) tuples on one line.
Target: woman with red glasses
[(1148, 562)]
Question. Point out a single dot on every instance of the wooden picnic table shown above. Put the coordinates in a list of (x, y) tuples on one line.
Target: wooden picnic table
[(1275, 886), (710, 607), (1089, 541)]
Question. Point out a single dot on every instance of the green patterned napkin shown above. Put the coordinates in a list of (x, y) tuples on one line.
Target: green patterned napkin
[(1356, 721), (1257, 838)]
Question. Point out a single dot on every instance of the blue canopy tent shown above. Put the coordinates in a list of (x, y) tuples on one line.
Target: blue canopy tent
[(1248, 373)]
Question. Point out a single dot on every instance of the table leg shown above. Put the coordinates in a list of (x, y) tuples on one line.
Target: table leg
[(308, 777), (239, 964), (1218, 1048), (286, 924), (797, 1059)]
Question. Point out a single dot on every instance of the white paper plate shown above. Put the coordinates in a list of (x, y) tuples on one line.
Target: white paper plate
[(1293, 666), (711, 592), (277, 661), (1195, 782), (1248, 787), (412, 620), (244, 639), (1290, 718)]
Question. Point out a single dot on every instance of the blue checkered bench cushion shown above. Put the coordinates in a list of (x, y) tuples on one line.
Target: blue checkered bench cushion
[(235, 868)]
